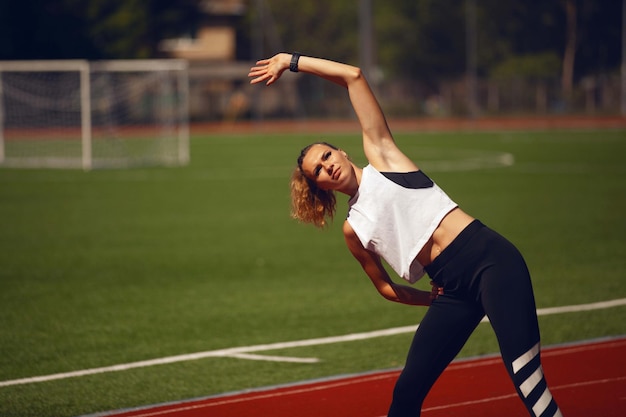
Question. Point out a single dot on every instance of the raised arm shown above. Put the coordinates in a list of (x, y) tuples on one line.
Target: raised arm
[(378, 144)]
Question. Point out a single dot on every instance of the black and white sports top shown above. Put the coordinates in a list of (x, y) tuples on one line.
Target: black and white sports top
[(394, 215)]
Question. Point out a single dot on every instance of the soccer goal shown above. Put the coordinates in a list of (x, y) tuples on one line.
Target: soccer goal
[(89, 115)]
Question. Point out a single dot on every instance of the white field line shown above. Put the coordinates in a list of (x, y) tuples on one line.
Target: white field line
[(272, 358), (243, 351), (576, 308)]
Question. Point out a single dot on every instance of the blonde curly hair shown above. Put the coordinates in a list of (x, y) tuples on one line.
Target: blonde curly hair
[(309, 203)]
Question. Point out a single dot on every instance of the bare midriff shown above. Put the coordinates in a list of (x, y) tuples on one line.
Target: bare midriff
[(452, 224)]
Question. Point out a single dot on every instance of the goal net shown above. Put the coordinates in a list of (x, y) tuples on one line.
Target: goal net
[(89, 115)]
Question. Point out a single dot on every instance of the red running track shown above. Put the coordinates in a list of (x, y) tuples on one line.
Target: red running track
[(587, 380)]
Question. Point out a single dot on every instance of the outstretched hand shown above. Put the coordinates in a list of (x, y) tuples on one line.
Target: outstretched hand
[(269, 70)]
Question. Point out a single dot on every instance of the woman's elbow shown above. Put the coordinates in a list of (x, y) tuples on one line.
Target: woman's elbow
[(388, 293), (355, 74)]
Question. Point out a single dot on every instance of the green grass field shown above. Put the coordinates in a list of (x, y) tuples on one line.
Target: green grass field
[(111, 267)]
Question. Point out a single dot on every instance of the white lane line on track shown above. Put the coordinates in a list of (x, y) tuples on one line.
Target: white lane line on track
[(505, 397), (282, 392), (277, 346)]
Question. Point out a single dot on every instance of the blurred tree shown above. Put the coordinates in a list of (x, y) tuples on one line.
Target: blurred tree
[(316, 27), (97, 29), (43, 29), (535, 29), (599, 36), (544, 65), (510, 29), (421, 39), (134, 28), (569, 55)]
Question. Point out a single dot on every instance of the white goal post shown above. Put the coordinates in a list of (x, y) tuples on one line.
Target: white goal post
[(89, 115)]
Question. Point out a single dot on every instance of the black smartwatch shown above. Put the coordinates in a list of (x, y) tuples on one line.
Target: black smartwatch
[(293, 66)]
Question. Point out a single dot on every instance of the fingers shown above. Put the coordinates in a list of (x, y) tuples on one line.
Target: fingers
[(435, 290), (268, 70), (270, 79), (258, 79), (256, 71), (258, 68), (259, 74), (262, 73)]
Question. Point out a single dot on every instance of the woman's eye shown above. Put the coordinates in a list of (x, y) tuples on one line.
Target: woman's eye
[(326, 155), (317, 171)]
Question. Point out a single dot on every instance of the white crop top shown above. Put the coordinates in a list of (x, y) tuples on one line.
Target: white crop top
[(394, 221)]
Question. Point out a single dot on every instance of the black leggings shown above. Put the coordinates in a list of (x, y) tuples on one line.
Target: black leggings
[(481, 273)]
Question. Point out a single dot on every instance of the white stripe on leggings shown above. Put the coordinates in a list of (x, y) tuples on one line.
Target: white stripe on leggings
[(520, 362), (531, 382), (542, 403)]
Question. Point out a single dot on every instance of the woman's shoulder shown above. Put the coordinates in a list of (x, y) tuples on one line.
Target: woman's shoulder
[(349, 234), (352, 239)]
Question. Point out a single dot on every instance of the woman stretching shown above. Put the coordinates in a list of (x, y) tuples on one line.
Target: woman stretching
[(397, 213)]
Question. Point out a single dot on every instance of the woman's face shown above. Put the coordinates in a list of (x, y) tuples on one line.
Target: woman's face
[(330, 168)]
